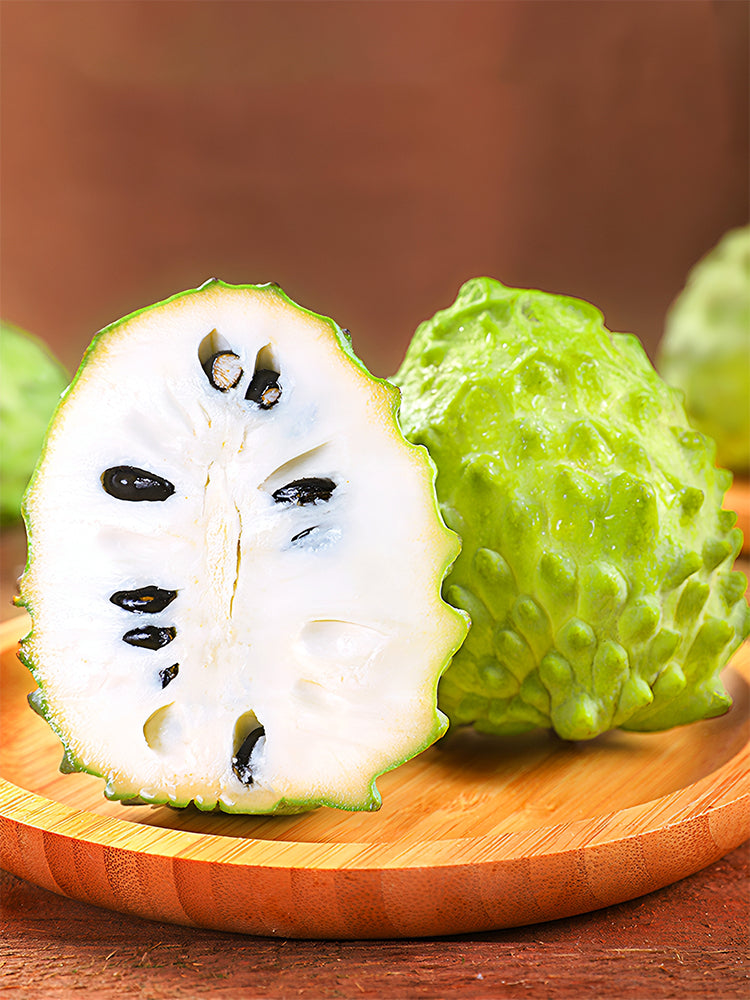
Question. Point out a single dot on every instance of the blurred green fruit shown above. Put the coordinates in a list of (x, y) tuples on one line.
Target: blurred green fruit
[(31, 382), (705, 350)]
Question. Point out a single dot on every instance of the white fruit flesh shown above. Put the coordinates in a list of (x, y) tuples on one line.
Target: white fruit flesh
[(333, 642)]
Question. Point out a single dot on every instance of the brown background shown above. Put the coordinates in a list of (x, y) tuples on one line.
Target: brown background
[(368, 156)]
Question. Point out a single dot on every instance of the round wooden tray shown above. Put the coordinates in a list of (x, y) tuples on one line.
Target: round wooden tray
[(475, 834)]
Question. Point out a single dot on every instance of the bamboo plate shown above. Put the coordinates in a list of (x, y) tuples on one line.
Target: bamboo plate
[(738, 500), (476, 834)]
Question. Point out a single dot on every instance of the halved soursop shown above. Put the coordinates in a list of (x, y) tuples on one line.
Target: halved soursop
[(596, 560), (235, 563), (705, 350)]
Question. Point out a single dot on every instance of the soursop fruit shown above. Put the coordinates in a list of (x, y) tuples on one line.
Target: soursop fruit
[(705, 350), (596, 561), (31, 382), (235, 563)]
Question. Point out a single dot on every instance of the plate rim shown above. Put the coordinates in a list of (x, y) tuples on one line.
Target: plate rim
[(727, 787)]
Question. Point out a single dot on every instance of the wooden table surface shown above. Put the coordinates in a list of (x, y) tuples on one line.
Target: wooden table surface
[(690, 939)]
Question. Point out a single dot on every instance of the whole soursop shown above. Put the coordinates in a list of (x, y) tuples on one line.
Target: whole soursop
[(596, 560), (705, 350), (235, 563), (31, 382)]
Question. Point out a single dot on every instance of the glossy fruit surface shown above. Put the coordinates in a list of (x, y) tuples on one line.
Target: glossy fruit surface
[(596, 560)]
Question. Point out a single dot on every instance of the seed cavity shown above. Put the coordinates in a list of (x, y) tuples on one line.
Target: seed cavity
[(212, 343), (349, 644), (321, 456), (247, 733), (144, 600), (126, 482), (150, 636), (305, 491), (223, 370), (163, 730), (168, 674), (264, 388), (304, 534)]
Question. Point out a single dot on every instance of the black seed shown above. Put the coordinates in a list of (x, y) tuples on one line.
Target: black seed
[(145, 600), (223, 370), (304, 491), (264, 388), (304, 534), (150, 636), (241, 760), (168, 674), (124, 482)]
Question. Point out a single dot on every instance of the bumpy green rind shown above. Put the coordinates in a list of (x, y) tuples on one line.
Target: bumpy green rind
[(31, 382), (597, 562), (705, 350), (37, 699)]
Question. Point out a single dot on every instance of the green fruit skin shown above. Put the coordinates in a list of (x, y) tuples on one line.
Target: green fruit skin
[(705, 350), (596, 562), (31, 383)]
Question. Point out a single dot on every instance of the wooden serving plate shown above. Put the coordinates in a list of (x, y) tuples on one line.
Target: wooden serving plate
[(475, 834), (738, 500)]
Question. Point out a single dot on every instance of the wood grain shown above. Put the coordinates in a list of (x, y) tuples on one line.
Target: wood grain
[(476, 834), (689, 940)]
